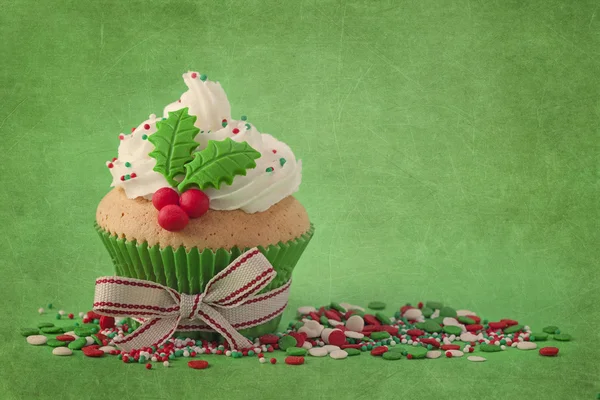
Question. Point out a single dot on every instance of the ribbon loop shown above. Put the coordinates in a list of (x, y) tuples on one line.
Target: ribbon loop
[(229, 302)]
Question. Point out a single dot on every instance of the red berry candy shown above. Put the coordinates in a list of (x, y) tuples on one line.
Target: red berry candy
[(148, 366), (172, 218), (164, 197), (273, 361), (71, 316), (194, 202)]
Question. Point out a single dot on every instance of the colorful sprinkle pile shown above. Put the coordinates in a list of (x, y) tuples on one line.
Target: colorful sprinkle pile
[(340, 330)]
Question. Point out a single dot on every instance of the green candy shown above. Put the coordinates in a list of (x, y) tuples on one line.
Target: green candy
[(69, 328), (337, 307), (538, 336), (448, 312), (391, 355), (397, 349), (97, 340), (439, 320), (383, 318), (436, 305), (417, 352), (358, 312), (83, 331), (354, 352), (488, 348), (562, 337), (29, 331), (380, 335), (287, 341), (376, 305), (427, 312), (513, 329), (52, 329), (466, 320), (55, 343), (295, 351), (429, 326), (45, 325), (550, 329), (77, 344), (452, 330)]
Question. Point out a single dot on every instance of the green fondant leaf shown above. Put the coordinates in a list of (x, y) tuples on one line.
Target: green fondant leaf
[(219, 162), (174, 143)]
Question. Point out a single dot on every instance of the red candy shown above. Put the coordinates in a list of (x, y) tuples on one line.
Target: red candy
[(497, 325), (430, 341), (332, 315), (450, 347), (148, 366), (293, 360), (415, 332), (371, 320), (474, 327), (337, 337), (107, 322), (194, 202), (172, 218), (273, 361), (351, 346), (314, 316), (379, 350), (71, 316), (93, 315), (164, 197), (300, 338), (65, 338), (509, 322), (549, 351), (392, 330), (269, 339), (474, 318), (92, 351), (198, 364), (370, 328)]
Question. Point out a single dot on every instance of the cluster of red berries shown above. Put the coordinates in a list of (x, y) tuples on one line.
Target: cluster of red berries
[(175, 211)]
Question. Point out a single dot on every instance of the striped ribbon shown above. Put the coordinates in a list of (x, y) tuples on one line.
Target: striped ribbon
[(228, 303)]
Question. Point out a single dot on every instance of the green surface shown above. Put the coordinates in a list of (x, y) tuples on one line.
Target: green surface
[(450, 152)]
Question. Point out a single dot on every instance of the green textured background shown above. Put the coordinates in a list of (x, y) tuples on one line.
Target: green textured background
[(450, 152)]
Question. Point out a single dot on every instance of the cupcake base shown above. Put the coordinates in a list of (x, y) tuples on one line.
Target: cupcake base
[(188, 271)]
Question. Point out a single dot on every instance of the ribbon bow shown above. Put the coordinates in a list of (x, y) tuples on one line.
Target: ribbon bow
[(228, 303)]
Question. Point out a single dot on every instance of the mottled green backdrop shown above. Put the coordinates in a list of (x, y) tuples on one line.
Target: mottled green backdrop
[(450, 152)]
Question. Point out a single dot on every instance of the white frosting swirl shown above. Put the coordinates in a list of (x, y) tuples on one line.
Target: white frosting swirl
[(204, 99), (276, 176), (260, 188), (133, 170)]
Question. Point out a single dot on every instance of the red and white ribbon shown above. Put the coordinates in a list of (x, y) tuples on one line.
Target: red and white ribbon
[(227, 304)]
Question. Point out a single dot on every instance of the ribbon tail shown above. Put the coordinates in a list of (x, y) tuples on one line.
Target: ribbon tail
[(153, 332), (217, 322)]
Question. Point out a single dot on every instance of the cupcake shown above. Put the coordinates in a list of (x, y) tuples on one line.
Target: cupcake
[(194, 189)]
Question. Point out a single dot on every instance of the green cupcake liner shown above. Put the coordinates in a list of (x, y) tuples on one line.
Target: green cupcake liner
[(189, 271)]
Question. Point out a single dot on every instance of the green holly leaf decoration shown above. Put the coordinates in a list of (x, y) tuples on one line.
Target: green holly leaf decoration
[(173, 144), (219, 162)]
